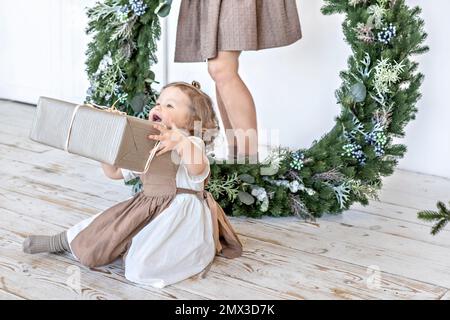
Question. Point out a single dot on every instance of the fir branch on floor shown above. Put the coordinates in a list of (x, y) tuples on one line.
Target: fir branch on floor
[(441, 217)]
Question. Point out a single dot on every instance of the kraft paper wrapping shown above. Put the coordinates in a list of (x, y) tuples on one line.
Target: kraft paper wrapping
[(97, 134)]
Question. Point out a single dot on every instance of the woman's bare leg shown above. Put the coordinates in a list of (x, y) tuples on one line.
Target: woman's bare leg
[(231, 139), (236, 101)]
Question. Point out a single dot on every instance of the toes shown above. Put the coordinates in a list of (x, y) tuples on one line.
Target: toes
[(26, 245)]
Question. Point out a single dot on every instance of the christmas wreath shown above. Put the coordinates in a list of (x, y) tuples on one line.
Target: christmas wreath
[(377, 97)]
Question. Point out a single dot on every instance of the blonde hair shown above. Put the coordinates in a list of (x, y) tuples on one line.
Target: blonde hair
[(201, 110)]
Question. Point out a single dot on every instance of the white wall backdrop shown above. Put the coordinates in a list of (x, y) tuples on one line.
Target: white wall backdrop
[(42, 45)]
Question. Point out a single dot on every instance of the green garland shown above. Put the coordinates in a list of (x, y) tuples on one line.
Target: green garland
[(122, 52), (377, 97)]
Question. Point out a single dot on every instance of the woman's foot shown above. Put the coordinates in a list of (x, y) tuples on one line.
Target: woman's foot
[(236, 157), (247, 158), (232, 152)]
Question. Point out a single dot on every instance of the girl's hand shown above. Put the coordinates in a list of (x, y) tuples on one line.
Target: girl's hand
[(170, 138)]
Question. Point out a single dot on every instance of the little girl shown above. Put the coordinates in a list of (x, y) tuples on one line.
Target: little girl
[(173, 228)]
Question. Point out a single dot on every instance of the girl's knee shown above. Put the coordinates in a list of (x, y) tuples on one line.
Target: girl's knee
[(88, 260), (90, 263)]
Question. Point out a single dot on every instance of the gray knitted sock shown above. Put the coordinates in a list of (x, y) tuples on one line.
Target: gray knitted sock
[(38, 244)]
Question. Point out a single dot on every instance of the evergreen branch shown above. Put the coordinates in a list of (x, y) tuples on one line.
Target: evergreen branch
[(441, 217), (227, 186)]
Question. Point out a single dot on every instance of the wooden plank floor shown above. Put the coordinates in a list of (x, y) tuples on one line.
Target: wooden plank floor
[(380, 251)]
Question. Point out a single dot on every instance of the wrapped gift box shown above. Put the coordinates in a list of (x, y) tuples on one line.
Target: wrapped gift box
[(94, 133)]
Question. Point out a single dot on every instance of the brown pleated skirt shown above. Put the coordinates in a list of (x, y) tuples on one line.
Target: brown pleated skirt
[(208, 26)]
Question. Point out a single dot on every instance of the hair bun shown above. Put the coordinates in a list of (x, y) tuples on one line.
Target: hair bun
[(196, 84)]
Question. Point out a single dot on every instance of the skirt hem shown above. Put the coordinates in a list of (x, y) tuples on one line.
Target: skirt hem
[(252, 48)]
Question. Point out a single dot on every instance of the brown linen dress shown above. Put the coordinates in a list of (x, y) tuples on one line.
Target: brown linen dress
[(208, 26), (109, 235)]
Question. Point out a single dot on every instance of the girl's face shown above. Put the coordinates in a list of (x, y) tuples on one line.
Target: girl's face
[(172, 106)]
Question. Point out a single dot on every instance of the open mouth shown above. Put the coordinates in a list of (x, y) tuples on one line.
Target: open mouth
[(156, 118)]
